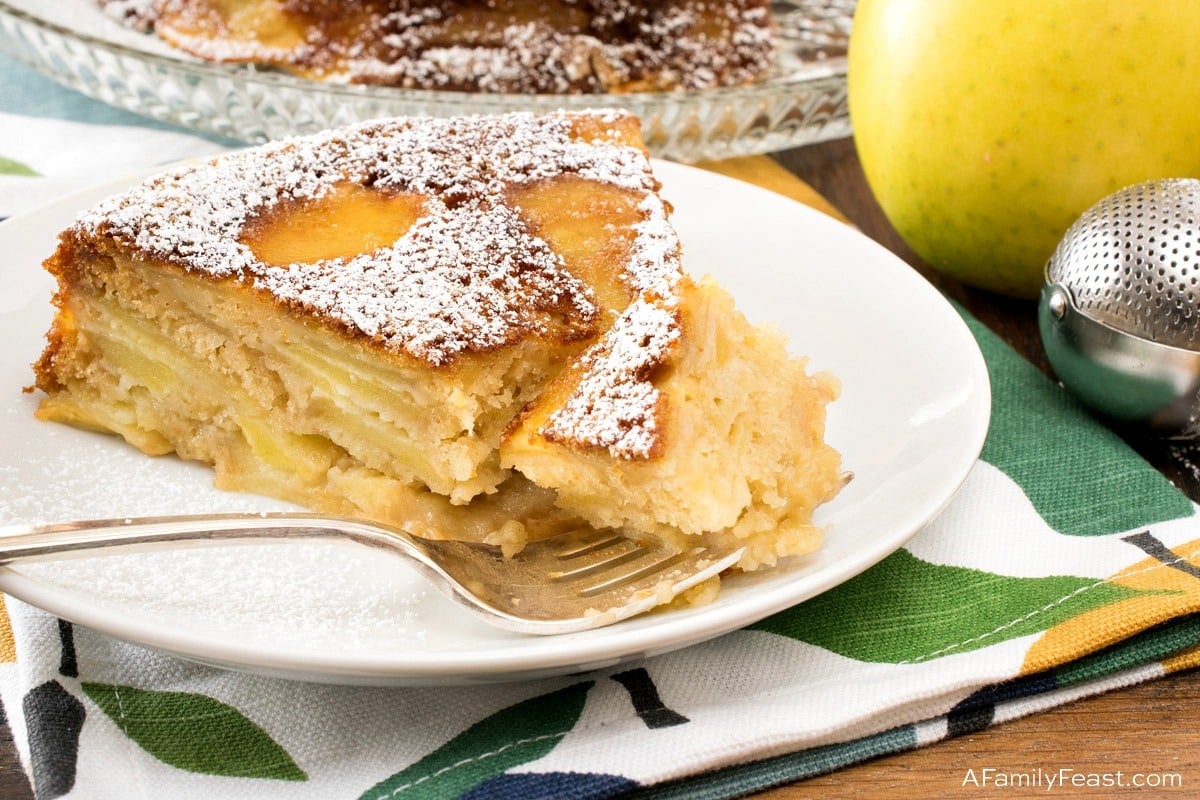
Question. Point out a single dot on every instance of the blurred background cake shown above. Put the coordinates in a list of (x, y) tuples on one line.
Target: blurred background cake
[(528, 46)]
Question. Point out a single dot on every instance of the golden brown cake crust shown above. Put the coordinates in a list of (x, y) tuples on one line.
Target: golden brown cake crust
[(525, 46), (469, 275), (608, 398)]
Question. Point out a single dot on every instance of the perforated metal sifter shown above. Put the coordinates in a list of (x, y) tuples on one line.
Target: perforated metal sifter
[(1120, 309)]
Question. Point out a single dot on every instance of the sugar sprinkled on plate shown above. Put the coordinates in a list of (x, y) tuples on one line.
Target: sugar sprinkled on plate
[(318, 592)]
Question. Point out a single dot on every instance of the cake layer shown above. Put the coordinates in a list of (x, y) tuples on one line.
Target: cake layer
[(292, 410)]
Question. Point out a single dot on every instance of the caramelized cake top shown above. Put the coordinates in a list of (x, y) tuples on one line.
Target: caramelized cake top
[(460, 272), (615, 404), (525, 46)]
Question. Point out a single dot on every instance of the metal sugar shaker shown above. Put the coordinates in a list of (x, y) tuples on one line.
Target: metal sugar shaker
[(1120, 308)]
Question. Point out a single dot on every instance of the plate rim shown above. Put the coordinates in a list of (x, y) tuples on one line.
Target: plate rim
[(441, 667)]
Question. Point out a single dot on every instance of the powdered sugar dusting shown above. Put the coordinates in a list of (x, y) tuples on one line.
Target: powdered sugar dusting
[(278, 593), (468, 276), (401, 297), (655, 265), (137, 14), (614, 405)]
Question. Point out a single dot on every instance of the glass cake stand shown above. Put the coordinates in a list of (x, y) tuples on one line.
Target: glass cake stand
[(74, 43)]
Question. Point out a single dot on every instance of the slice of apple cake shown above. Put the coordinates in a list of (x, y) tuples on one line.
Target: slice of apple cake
[(474, 328)]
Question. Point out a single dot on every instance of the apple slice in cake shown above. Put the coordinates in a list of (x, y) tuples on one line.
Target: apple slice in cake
[(475, 328)]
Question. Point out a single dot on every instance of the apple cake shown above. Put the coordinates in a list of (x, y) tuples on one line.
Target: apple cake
[(472, 328), (525, 46)]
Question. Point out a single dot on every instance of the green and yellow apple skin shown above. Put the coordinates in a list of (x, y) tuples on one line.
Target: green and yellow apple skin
[(986, 127)]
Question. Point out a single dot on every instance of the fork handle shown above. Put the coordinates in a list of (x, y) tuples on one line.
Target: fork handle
[(33, 542)]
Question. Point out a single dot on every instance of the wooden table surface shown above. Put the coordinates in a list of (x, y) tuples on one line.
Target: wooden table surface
[(1150, 728)]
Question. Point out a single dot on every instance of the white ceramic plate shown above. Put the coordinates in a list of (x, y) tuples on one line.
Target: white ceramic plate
[(910, 423)]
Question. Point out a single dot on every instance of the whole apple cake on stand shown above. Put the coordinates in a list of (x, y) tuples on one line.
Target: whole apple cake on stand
[(526, 46), (474, 328)]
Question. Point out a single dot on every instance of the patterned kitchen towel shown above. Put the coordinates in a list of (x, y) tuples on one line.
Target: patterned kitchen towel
[(1041, 583), (1065, 566)]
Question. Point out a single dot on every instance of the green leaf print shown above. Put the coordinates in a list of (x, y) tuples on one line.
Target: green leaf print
[(1077, 473), (906, 610), (10, 167), (512, 736), (194, 732)]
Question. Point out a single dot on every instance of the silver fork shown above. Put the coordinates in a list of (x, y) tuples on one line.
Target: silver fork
[(572, 582)]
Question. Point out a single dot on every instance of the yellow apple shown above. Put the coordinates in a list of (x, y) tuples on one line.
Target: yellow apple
[(985, 127)]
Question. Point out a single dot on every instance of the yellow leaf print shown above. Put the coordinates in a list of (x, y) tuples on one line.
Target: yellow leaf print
[(1168, 586)]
